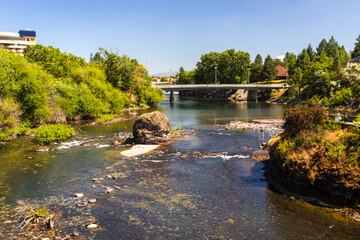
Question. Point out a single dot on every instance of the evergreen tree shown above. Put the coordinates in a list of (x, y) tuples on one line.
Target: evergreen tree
[(303, 60), (322, 46), (332, 49), (181, 75), (258, 59), (290, 62), (356, 51), (269, 71), (91, 57), (310, 52)]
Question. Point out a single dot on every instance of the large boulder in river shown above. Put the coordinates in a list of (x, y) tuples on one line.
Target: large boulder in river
[(151, 128)]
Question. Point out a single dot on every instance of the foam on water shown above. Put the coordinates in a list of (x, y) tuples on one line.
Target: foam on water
[(66, 145), (225, 157)]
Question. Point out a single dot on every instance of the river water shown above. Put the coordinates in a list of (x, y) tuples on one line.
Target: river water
[(201, 187)]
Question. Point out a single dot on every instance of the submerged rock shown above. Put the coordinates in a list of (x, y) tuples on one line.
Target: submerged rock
[(260, 155), (41, 149), (139, 150)]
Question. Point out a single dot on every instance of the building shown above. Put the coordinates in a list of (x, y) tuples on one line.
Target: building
[(281, 58), (282, 73), (354, 61), (17, 41)]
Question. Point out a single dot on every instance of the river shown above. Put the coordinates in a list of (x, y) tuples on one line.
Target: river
[(201, 187)]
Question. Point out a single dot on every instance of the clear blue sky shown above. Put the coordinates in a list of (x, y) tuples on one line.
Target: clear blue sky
[(169, 34)]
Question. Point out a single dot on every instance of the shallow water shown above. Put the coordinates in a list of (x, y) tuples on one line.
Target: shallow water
[(200, 187)]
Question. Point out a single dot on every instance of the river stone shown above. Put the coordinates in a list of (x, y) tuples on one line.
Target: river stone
[(151, 127), (260, 155)]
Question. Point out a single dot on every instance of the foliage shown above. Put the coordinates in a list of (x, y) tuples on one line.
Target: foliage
[(39, 213), (106, 117), (303, 60), (52, 60), (53, 132), (351, 75), (9, 113), (232, 67), (269, 70), (303, 118), (256, 70), (128, 75), (186, 77), (341, 97), (290, 62), (356, 52), (28, 85), (322, 155)]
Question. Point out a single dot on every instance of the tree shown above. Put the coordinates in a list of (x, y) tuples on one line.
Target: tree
[(232, 67), (186, 77), (303, 60), (52, 60), (310, 52), (181, 75), (356, 52), (290, 63), (332, 49), (258, 59), (297, 79), (322, 47), (269, 70), (256, 69)]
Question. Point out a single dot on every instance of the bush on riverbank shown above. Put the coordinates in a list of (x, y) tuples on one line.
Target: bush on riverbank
[(48, 86), (49, 133), (316, 152)]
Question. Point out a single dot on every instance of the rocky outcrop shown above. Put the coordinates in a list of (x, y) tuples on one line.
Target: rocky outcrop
[(150, 128)]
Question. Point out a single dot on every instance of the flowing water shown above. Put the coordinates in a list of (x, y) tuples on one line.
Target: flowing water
[(201, 187)]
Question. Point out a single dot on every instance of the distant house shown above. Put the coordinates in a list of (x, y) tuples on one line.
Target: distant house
[(282, 73), (354, 61)]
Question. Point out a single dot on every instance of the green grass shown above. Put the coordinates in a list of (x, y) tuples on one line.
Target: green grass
[(49, 133)]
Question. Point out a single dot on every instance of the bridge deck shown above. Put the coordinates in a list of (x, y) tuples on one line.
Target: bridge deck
[(220, 86)]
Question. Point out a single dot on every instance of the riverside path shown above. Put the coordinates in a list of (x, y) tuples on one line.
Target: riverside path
[(252, 88)]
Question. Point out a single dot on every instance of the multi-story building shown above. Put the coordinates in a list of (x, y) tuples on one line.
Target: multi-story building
[(17, 41)]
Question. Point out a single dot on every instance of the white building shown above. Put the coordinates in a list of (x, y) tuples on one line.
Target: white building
[(17, 41)]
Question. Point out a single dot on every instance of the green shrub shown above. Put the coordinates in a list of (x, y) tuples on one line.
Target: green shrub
[(106, 117), (302, 118), (331, 125), (53, 132), (341, 97), (9, 113)]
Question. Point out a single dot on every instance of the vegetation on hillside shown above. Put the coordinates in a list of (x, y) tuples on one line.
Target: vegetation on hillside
[(48, 86), (315, 151)]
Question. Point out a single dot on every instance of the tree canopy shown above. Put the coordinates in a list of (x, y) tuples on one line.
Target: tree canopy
[(356, 52), (232, 67)]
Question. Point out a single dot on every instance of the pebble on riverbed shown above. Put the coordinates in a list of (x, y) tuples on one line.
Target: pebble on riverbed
[(79, 195), (82, 204), (93, 200), (92, 226), (97, 179)]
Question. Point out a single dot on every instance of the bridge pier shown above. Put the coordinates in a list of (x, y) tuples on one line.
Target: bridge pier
[(252, 96), (172, 99)]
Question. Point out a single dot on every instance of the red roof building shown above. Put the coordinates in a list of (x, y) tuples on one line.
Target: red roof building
[(281, 72)]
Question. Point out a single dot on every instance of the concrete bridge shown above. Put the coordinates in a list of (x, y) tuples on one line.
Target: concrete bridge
[(252, 88)]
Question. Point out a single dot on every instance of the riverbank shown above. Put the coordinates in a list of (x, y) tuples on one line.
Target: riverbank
[(317, 158)]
